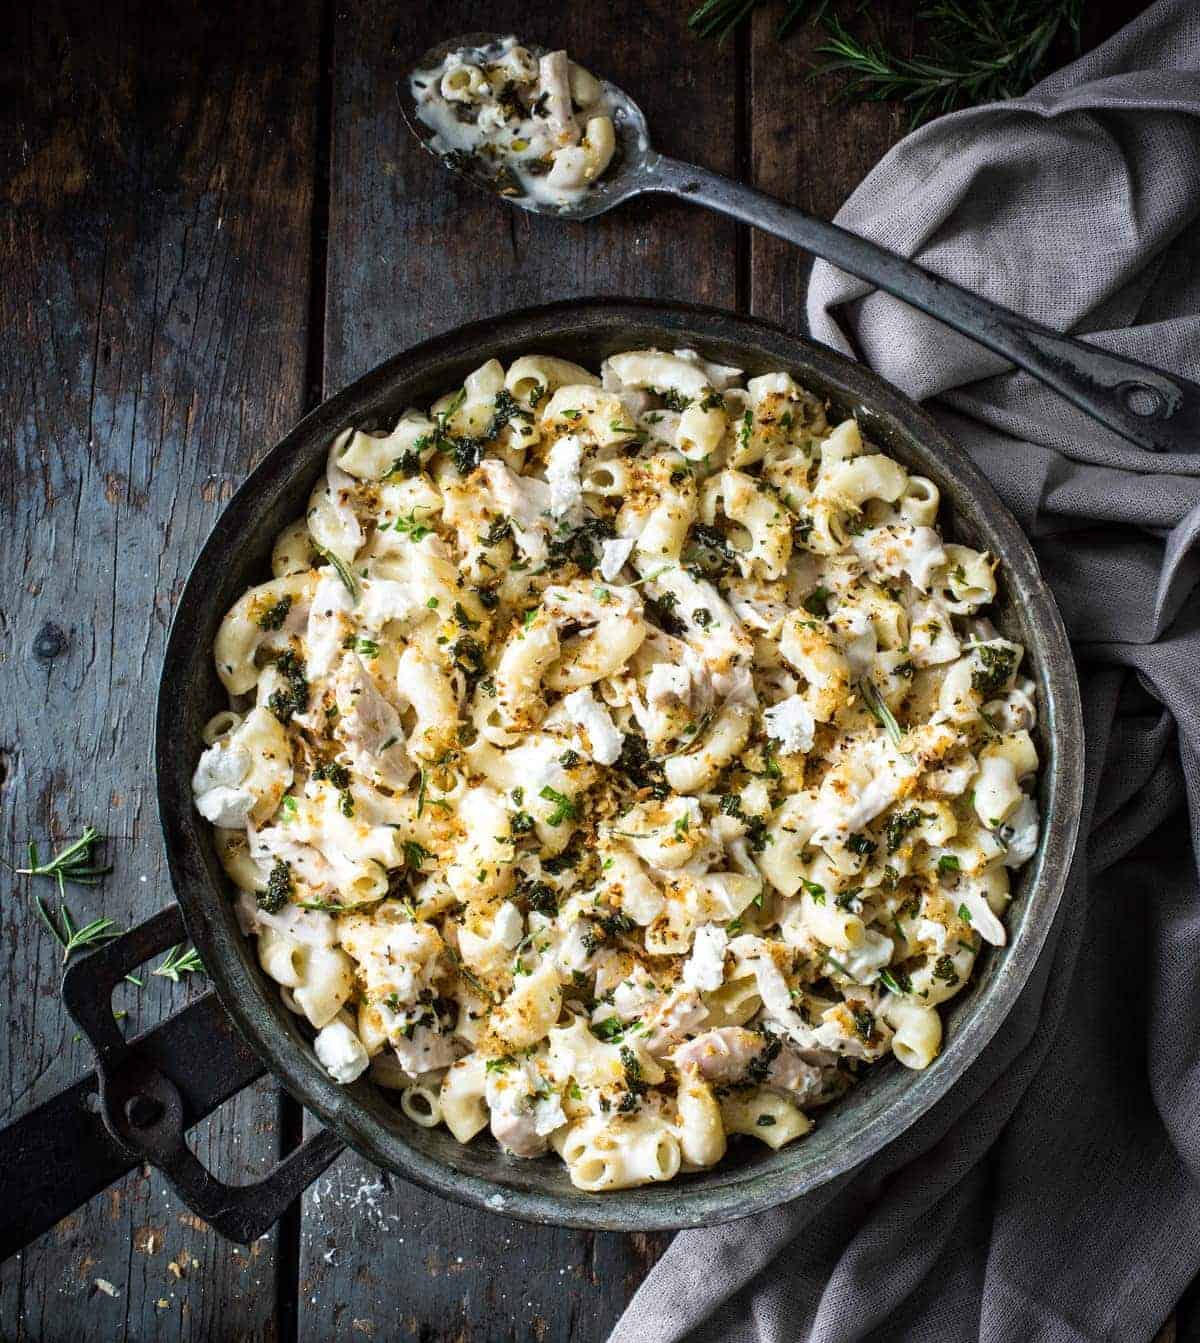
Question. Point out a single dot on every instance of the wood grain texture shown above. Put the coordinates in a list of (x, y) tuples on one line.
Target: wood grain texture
[(413, 251), (156, 174), (172, 179)]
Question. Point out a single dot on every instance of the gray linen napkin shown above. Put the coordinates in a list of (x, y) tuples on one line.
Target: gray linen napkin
[(1054, 1194)]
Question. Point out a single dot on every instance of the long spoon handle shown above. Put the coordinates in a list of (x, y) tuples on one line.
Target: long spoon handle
[(1155, 410)]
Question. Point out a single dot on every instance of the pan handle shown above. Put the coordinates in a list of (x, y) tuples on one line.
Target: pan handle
[(1152, 409), (145, 1094)]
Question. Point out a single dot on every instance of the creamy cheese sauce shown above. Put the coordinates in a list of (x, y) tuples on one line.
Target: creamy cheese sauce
[(540, 128)]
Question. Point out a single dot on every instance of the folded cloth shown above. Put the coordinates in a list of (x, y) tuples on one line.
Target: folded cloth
[(1054, 1194)]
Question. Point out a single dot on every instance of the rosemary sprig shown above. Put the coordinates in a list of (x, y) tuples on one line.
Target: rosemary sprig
[(179, 962), (878, 706), (981, 52), (719, 18), (73, 939), (343, 571), (76, 863), (974, 51)]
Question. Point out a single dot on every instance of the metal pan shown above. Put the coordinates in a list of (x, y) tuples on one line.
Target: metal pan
[(152, 1089)]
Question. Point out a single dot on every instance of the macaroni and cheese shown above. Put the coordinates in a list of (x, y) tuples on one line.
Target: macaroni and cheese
[(620, 761), (538, 127)]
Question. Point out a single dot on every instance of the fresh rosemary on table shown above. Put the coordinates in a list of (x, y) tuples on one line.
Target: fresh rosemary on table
[(972, 51), (78, 863), (179, 962)]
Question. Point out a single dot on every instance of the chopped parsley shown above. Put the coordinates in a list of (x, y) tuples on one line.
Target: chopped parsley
[(899, 823), (415, 855), (944, 970), (996, 666), (817, 602), (280, 888), (565, 808), (274, 616), (411, 527), (292, 698), (864, 1023), (898, 981)]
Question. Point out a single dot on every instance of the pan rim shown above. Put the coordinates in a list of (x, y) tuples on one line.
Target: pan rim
[(716, 1196)]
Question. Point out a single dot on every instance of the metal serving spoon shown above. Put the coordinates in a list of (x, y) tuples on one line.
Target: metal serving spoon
[(1155, 410)]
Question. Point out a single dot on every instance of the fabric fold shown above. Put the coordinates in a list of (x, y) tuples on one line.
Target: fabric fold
[(1054, 1193)]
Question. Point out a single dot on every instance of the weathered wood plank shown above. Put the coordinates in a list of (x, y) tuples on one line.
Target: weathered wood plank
[(807, 149), (412, 252), (156, 172)]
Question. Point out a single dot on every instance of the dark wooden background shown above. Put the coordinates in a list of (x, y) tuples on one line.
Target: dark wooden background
[(210, 217)]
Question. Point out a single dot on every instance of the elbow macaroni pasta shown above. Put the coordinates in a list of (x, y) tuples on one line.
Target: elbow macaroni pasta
[(542, 129), (619, 761)]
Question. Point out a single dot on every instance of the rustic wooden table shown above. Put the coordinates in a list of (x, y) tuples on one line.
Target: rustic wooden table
[(212, 216)]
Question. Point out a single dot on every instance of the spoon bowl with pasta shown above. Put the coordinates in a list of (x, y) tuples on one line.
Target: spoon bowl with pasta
[(545, 135)]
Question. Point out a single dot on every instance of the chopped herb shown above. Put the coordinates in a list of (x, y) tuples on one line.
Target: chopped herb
[(702, 616), (343, 571), (496, 533), (540, 896), (578, 545), (943, 969), (610, 1030), (565, 808), (521, 823), (817, 602), (274, 616), (463, 620), (899, 823), (947, 863), (864, 1023), (964, 913), (411, 527), (409, 463), (860, 844), (469, 659), (641, 769), (713, 400), (676, 401), (814, 889), (280, 888), (759, 1068), (997, 666), (709, 551), (293, 697), (745, 429), (660, 610), (367, 647), (898, 982), (634, 1082), (415, 855), (331, 772)]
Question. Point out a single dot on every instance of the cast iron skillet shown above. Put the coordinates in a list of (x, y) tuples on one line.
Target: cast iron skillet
[(149, 1097)]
